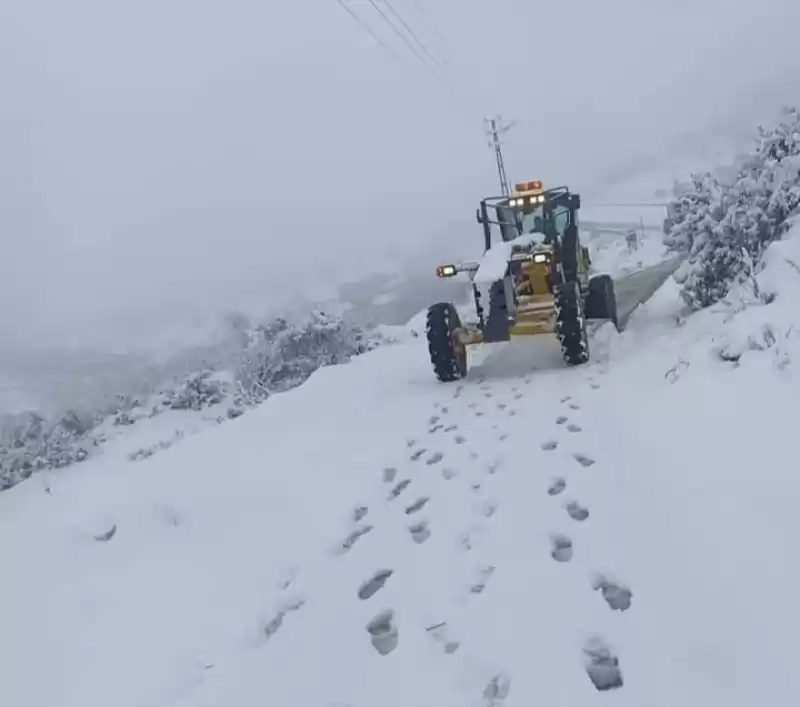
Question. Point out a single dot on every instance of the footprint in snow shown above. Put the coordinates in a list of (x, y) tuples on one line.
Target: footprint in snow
[(583, 460), (441, 634), (457, 393), (512, 413), (271, 627), (410, 443), (501, 406), (557, 487), (561, 419), (478, 414), (576, 511), (434, 458), (107, 535), (383, 633), (566, 399), (502, 437), (573, 428), (493, 467), (374, 584), (549, 445), (458, 439), (418, 505), (517, 396), (497, 690), (601, 665), (399, 488), (561, 548), (450, 428), (416, 455), (435, 428), (353, 538), (594, 386), (574, 406), (615, 595), (433, 420), (288, 576), (488, 509), (483, 579), (448, 473), (359, 512), (389, 474), (420, 532)]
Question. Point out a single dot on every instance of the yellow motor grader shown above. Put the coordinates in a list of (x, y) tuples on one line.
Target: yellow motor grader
[(533, 279)]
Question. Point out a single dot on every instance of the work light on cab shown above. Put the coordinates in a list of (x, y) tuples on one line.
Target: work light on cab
[(447, 271), (527, 193)]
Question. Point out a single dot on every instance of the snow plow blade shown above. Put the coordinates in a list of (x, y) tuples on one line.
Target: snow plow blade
[(638, 287)]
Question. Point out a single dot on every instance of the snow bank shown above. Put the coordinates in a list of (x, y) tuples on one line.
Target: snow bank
[(762, 315)]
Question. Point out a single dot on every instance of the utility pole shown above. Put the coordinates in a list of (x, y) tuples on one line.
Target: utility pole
[(495, 129)]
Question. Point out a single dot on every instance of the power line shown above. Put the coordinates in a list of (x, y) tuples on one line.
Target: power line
[(439, 78), (432, 25), (367, 28), (411, 33), (399, 34)]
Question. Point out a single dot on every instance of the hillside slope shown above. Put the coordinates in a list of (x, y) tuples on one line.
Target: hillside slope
[(531, 535)]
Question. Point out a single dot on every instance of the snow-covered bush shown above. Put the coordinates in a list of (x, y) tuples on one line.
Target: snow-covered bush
[(28, 443), (200, 390), (283, 355), (725, 226), (241, 372)]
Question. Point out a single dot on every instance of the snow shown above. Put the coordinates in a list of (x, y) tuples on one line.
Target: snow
[(225, 581), (492, 266)]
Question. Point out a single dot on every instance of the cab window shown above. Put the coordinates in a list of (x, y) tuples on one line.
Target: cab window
[(561, 219)]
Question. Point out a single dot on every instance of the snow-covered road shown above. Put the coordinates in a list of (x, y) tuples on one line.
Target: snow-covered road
[(374, 538)]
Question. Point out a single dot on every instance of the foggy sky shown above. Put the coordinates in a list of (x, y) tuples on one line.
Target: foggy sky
[(166, 159)]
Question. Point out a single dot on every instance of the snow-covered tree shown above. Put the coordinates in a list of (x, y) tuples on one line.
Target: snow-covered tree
[(724, 228)]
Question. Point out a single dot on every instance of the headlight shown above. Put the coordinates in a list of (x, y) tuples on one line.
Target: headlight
[(541, 258), (446, 271)]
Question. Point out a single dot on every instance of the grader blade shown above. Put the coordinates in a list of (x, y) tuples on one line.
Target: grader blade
[(638, 287)]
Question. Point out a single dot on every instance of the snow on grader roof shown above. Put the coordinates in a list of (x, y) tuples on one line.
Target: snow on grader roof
[(536, 278)]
